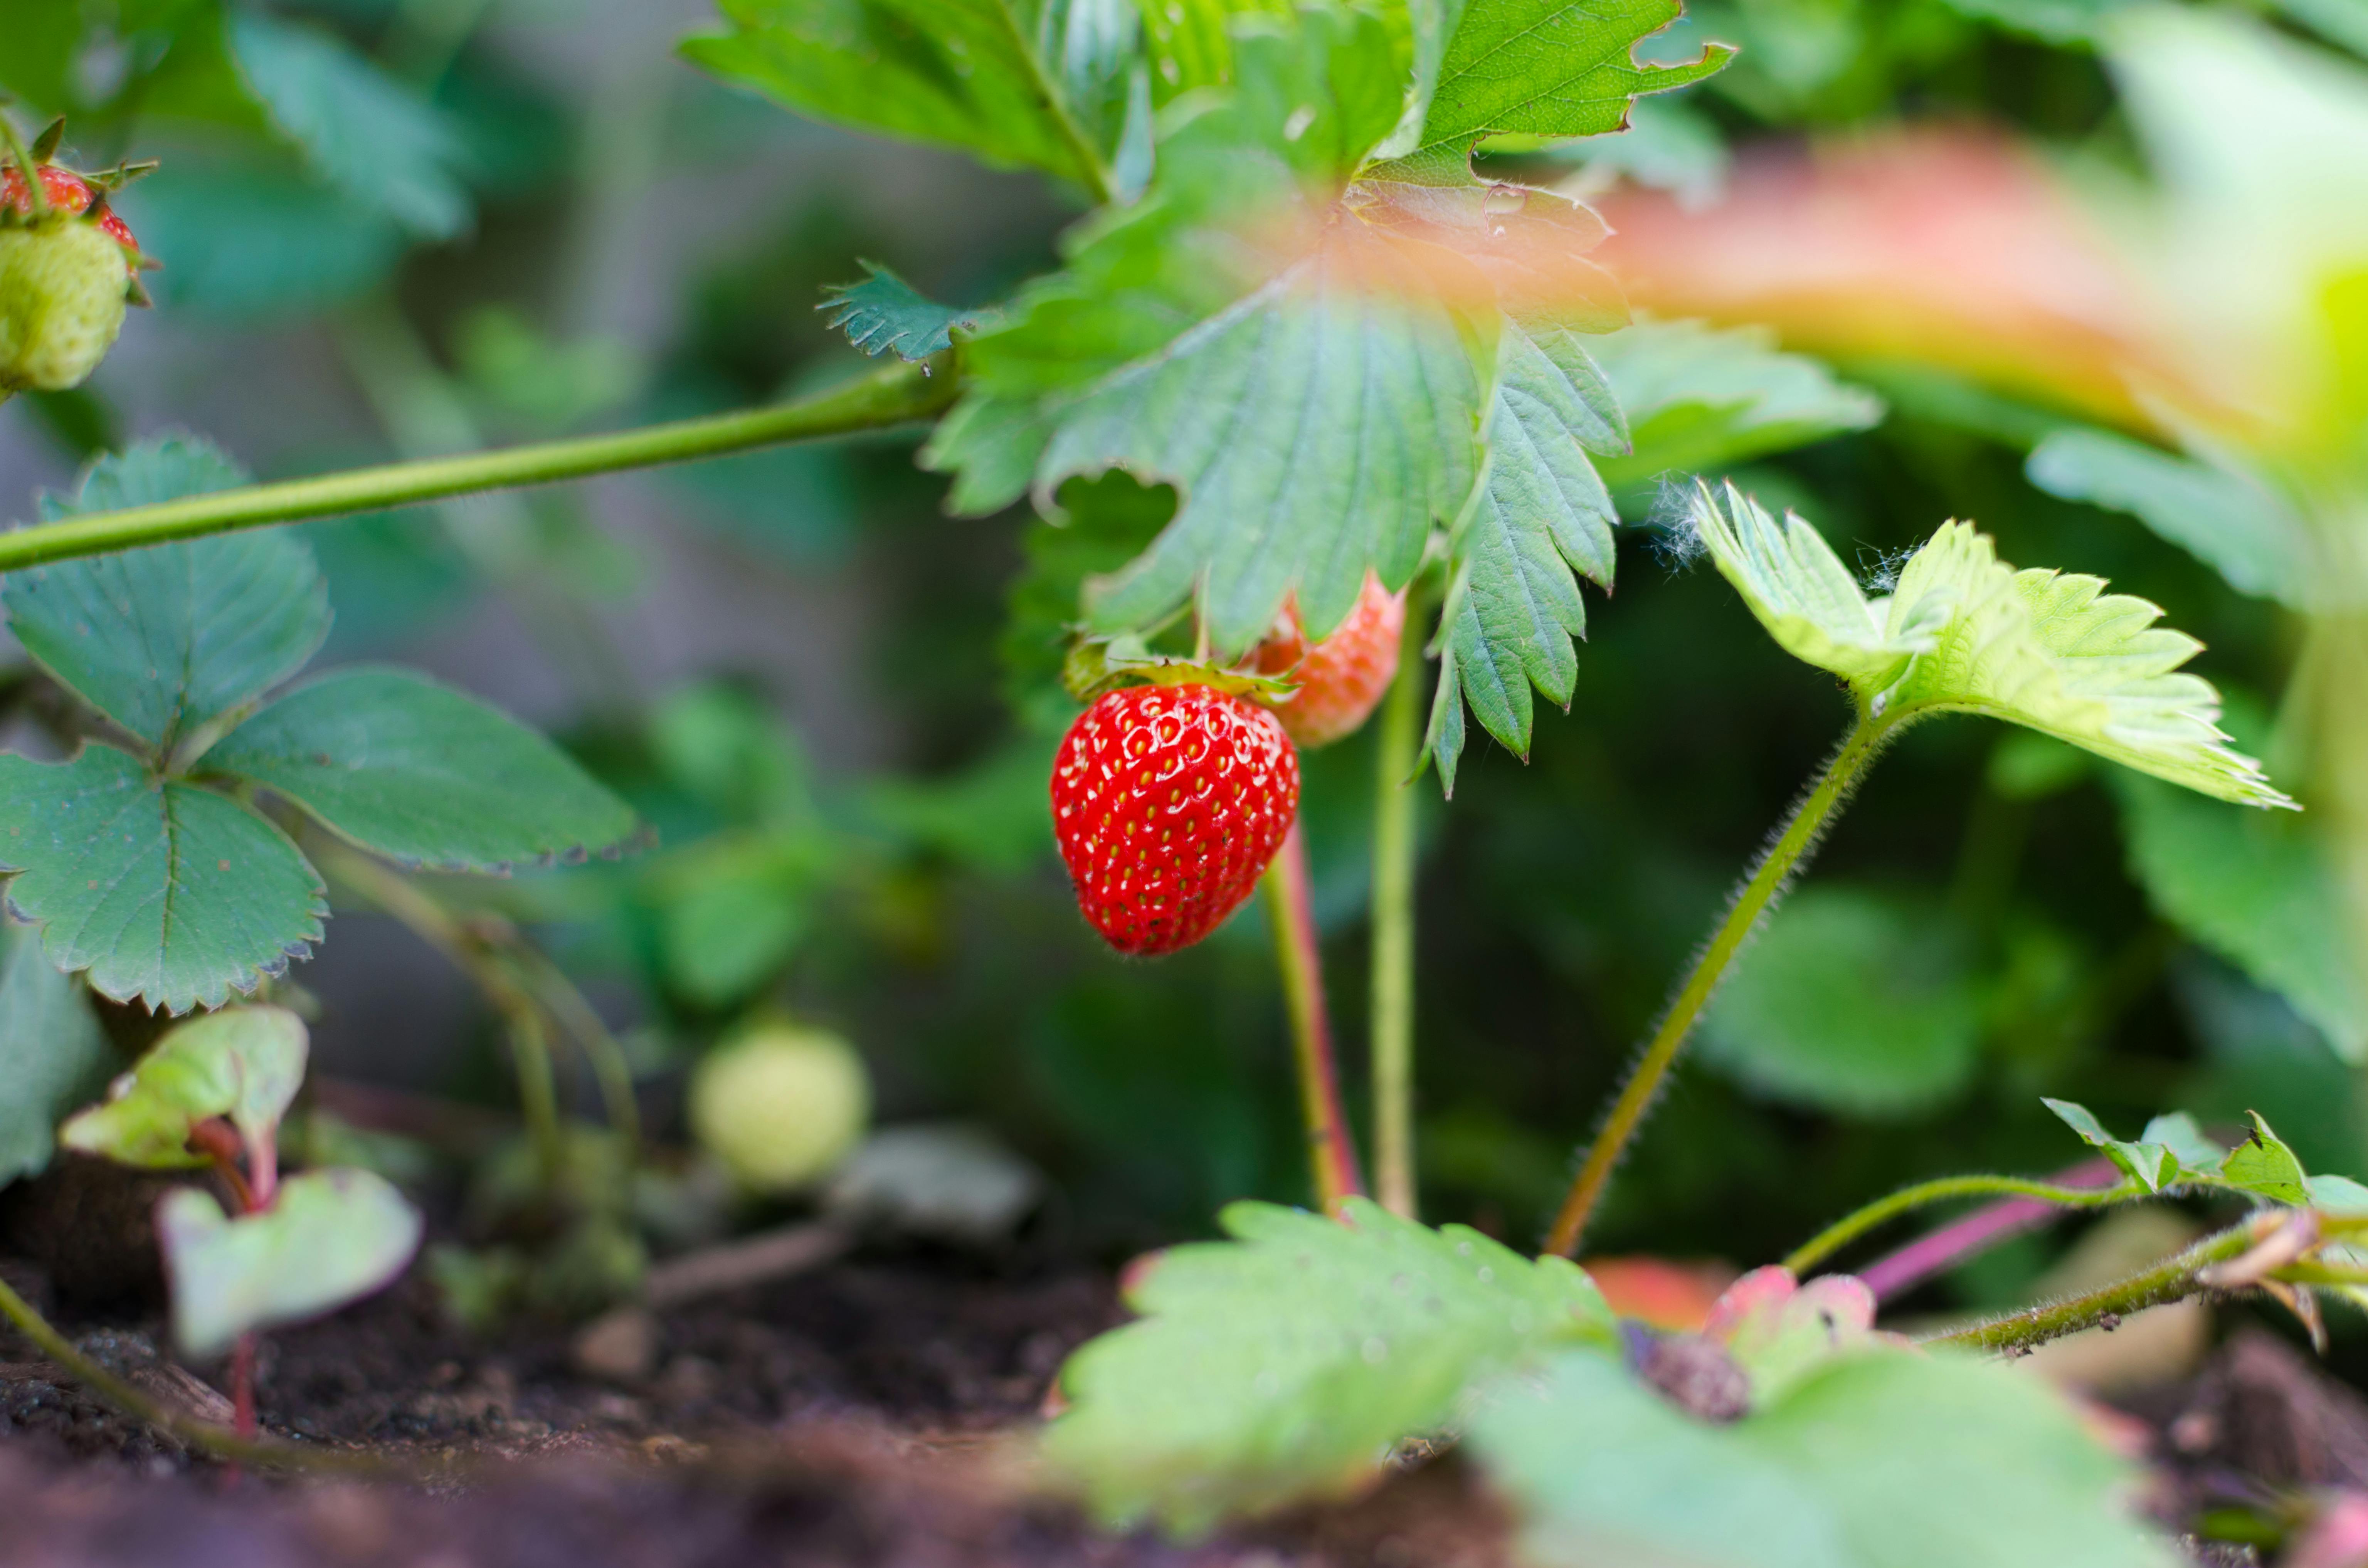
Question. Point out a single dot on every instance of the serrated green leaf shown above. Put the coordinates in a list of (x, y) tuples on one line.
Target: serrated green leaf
[(1284, 1364), (1851, 1001), (168, 638), (2231, 522), (2260, 891), (53, 1054), (2262, 1165), (329, 1238), (1549, 68), (160, 890), (241, 1063), (2153, 1164), (1039, 84), (1806, 598), (422, 774), (1878, 1459), (1966, 632), (1701, 398), (885, 313), (358, 128), (1442, 735)]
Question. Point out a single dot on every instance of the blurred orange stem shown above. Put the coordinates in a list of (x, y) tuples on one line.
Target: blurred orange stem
[(1331, 1152)]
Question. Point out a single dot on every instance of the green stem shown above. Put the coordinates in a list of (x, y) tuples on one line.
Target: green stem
[(1089, 159), (1848, 1228), (37, 196), (537, 1094), (1800, 837), (575, 1014), (897, 395), (1393, 961), (2171, 1280), (1331, 1153)]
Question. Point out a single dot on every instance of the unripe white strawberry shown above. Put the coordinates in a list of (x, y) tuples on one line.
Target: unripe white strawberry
[(779, 1105), (63, 286)]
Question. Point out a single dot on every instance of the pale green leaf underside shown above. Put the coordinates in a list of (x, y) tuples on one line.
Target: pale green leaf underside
[(423, 774), (2262, 892), (1284, 1364), (165, 892), (165, 638), (883, 312), (1315, 430), (245, 1063), (1966, 632), (331, 1237), (1881, 1458), (53, 1055)]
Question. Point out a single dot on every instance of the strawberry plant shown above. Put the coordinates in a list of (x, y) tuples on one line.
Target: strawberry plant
[(1309, 434)]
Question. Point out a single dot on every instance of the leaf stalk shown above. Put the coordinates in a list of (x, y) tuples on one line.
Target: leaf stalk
[(1848, 1228), (1331, 1153), (1399, 753), (1776, 868)]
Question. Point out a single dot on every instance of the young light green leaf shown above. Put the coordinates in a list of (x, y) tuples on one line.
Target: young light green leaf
[(2230, 521), (1806, 597), (2154, 1164), (1548, 68), (53, 1055), (423, 774), (330, 1238), (2262, 1165), (1701, 398), (1966, 632), (1851, 1001), (884, 313), (358, 128), (2262, 891), (2177, 1132), (166, 640), (1039, 84), (1286, 1363), (2336, 1194), (160, 890), (241, 1063), (1875, 1460)]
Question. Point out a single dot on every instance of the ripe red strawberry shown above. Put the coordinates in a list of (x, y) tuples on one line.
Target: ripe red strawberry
[(1168, 802), (1341, 678)]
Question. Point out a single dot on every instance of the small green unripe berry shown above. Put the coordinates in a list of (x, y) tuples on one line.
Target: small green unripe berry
[(63, 286), (779, 1105)]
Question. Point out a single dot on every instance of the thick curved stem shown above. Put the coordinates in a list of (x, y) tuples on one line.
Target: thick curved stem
[(1393, 961), (2173, 1278), (1791, 851), (1331, 1153), (1848, 1228), (897, 395)]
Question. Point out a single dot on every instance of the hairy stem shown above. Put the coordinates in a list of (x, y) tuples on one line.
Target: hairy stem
[(1393, 961), (897, 395), (2171, 1280), (1331, 1153), (1791, 851), (1848, 1228)]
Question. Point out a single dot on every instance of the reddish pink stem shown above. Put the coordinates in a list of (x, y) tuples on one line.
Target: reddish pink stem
[(1290, 904), (1985, 1227)]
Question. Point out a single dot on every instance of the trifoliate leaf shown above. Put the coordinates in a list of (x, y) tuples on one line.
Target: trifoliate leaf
[(2231, 522), (1881, 1459), (1701, 398), (885, 313), (1548, 68), (2260, 891), (2153, 1164), (329, 1238), (2264, 1165), (1286, 1363), (166, 640), (53, 1054), (241, 1063), (1851, 1001), (1039, 84), (422, 774), (162, 891), (358, 129), (1966, 632)]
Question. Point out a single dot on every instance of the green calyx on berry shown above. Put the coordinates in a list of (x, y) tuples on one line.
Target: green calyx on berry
[(1100, 664), (69, 266)]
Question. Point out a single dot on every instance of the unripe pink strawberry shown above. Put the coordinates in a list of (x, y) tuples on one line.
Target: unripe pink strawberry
[(67, 272), (69, 193), (1342, 678)]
